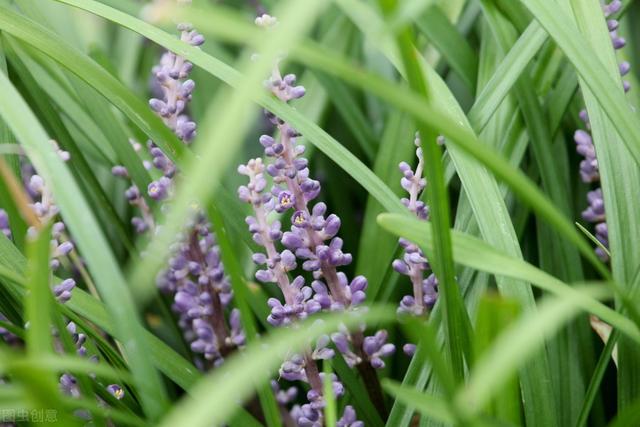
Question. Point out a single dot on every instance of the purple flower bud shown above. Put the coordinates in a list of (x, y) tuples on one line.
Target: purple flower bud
[(409, 349), (618, 42), (266, 141), (132, 193), (120, 171), (63, 249)]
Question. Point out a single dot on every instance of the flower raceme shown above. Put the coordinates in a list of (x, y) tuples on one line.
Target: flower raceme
[(589, 172), (280, 186), (194, 276)]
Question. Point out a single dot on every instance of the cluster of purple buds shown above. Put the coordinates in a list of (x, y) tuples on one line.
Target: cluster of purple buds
[(174, 91), (45, 210), (195, 274), (589, 171), (414, 262), (201, 293), (68, 383), (171, 79), (298, 301)]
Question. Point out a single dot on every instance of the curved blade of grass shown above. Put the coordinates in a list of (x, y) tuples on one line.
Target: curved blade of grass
[(495, 313), (507, 73), (596, 378), (18, 226), (39, 301), (215, 398), (331, 409), (475, 253), (619, 177), (92, 244), (41, 383), (61, 363), (495, 225), (455, 49), (428, 405), (556, 255)]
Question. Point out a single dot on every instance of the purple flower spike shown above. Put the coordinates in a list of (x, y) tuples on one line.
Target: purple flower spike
[(589, 171), (311, 244), (195, 275), (414, 263)]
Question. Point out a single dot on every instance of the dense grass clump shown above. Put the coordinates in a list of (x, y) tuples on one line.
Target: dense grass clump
[(319, 213)]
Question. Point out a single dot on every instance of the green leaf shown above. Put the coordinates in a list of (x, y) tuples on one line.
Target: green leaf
[(494, 315), (39, 301), (428, 405), (618, 173), (505, 76), (435, 25), (331, 408)]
